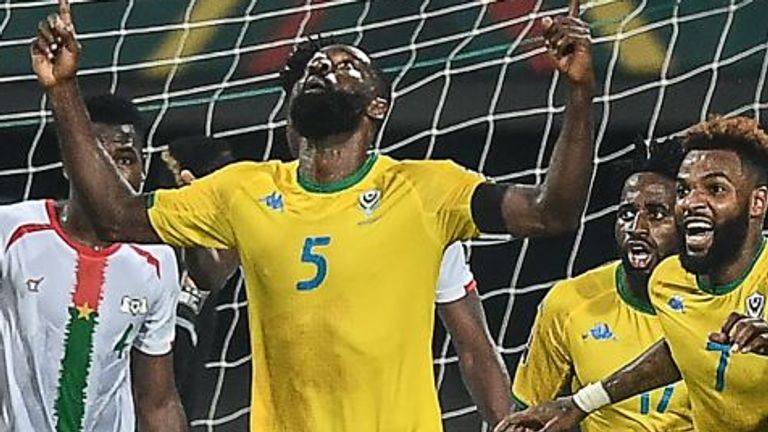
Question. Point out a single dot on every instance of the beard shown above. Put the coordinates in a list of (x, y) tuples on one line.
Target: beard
[(727, 245), (322, 114)]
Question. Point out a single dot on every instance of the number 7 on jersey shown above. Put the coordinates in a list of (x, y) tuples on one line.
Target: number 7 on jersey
[(310, 256)]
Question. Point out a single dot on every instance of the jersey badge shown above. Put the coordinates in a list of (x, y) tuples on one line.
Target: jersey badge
[(369, 201), (33, 284), (134, 306), (755, 305), (676, 304), (274, 201), (600, 332)]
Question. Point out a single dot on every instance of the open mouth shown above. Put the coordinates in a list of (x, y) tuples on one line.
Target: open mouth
[(640, 254), (699, 233), (315, 83)]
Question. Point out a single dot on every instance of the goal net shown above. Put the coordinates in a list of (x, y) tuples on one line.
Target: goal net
[(471, 83)]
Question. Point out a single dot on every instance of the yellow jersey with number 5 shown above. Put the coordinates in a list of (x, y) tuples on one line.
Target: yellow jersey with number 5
[(728, 391), (341, 284)]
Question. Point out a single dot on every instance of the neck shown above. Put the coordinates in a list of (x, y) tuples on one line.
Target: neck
[(636, 284), (334, 158), (738, 267), (76, 225)]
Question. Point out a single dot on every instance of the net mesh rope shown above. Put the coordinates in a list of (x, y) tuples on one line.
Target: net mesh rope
[(418, 59)]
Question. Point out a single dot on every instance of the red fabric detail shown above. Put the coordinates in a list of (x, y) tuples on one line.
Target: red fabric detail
[(89, 280), (151, 260), (24, 230), (471, 286)]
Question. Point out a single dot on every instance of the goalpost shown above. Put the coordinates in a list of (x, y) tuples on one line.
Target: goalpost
[(470, 80)]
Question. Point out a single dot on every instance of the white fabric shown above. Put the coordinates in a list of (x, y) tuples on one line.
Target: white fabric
[(37, 285), (592, 397), (455, 275)]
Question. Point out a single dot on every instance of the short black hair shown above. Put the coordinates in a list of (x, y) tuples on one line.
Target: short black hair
[(302, 53), (199, 154), (660, 157), (742, 135), (114, 110)]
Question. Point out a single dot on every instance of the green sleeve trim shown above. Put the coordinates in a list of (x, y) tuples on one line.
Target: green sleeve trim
[(150, 200), (519, 404)]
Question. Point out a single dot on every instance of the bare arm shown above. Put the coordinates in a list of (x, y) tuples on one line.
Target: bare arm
[(158, 407), (210, 268), (117, 211), (556, 205), (483, 370)]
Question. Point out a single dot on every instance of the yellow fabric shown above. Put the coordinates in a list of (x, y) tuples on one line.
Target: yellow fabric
[(584, 332), (688, 316), (353, 351)]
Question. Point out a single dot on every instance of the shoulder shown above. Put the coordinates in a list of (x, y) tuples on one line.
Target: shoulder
[(582, 290), (670, 272), (240, 171), (422, 168), (161, 257), (26, 213)]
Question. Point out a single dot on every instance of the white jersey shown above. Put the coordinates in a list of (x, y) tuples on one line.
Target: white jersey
[(455, 279), (69, 316)]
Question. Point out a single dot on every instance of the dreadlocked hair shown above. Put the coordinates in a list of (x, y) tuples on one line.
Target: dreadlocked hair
[(742, 135), (297, 61)]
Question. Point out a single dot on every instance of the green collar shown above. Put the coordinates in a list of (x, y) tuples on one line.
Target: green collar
[(732, 285), (339, 185), (626, 294)]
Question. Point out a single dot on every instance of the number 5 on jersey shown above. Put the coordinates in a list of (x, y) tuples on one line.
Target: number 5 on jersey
[(310, 256)]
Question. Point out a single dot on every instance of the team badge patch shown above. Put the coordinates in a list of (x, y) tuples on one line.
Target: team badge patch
[(274, 201), (600, 332), (755, 305), (33, 284), (676, 304), (369, 201), (134, 306)]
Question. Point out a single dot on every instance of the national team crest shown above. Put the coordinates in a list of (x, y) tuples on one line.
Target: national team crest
[(134, 306), (369, 201), (755, 305)]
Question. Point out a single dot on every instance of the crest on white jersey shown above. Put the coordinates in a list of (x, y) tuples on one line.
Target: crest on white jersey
[(755, 305), (134, 306), (33, 284), (369, 201)]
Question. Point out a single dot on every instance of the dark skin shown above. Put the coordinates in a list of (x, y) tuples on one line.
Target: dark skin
[(552, 207), (713, 186), (158, 407)]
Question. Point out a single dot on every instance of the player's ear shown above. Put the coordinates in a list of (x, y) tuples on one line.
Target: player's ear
[(759, 203), (378, 108)]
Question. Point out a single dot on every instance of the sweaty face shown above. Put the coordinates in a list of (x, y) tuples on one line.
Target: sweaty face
[(712, 208), (645, 225), (123, 143), (332, 96)]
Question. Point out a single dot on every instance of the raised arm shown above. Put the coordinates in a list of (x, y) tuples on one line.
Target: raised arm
[(653, 369), (484, 373), (556, 205), (115, 209)]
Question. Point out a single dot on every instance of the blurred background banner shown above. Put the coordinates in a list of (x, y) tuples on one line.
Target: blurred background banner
[(472, 84)]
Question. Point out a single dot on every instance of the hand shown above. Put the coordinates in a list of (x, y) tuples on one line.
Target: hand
[(55, 51), (569, 45), (186, 177), (555, 416), (747, 335)]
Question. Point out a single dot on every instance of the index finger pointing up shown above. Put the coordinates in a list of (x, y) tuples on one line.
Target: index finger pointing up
[(65, 12), (573, 8)]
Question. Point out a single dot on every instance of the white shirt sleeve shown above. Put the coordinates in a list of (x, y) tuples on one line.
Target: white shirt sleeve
[(456, 278), (158, 331)]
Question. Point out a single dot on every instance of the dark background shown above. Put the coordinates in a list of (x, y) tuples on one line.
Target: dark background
[(495, 117)]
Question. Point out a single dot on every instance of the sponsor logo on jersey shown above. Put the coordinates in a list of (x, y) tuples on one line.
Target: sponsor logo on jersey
[(134, 306), (33, 284), (755, 305), (274, 201), (600, 332), (369, 201), (676, 304)]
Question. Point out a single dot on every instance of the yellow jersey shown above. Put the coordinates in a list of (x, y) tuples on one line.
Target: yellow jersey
[(587, 328), (729, 392), (341, 284)]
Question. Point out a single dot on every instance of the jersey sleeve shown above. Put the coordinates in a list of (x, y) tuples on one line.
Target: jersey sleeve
[(197, 214), (446, 191), (545, 367), (456, 278), (156, 335)]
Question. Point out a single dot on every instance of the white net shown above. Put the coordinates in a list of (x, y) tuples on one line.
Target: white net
[(471, 83)]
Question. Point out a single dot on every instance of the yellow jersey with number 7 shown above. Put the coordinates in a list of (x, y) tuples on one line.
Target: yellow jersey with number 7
[(341, 284), (728, 391)]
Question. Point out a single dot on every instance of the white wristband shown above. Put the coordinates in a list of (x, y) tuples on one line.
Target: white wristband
[(591, 398)]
